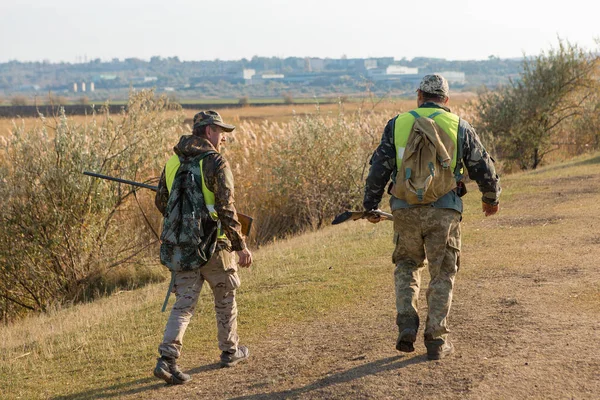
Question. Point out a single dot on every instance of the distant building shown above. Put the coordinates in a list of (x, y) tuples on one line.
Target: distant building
[(394, 73), (272, 76), (83, 86), (261, 78), (400, 70), (370, 64), (455, 77), (314, 64), (29, 87), (247, 74), (75, 87), (144, 79)]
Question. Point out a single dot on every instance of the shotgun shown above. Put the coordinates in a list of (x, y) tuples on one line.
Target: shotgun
[(354, 215), (245, 220)]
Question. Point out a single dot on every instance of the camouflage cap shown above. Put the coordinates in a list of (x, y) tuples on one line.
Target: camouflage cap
[(211, 117), (434, 84)]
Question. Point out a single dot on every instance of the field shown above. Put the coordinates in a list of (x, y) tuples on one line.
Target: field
[(317, 310), (279, 113)]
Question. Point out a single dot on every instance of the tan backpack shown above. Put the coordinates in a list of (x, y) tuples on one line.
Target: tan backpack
[(426, 173)]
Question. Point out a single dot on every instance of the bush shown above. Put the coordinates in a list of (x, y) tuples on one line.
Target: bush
[(61, 230), (288, 98), (537, 114), (18, 100), (55, 100), (244, 101), (296, 176)]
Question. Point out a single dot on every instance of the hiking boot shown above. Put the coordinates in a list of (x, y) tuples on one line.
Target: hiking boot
[(405, 341), (437, 352), (167, 369), (231, 359)]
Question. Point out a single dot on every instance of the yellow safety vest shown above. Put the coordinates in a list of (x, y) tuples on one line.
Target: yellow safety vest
[(404, 122), (209, 197)]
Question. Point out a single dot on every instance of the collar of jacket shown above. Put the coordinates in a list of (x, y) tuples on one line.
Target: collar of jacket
[(191, 146), (431, 104)]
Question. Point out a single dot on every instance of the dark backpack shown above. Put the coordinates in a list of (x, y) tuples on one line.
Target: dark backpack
[(189, 234), (425, 174)]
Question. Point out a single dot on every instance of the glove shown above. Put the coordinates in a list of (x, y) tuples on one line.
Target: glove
[(489, 209)]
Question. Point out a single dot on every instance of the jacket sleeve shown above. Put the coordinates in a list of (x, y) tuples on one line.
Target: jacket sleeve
[(162, 194), (480, 166), (219, 180), (383, 164)]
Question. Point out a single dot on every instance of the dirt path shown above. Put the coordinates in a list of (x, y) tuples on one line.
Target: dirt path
[(524, 329), (513, 340), (509, 345)]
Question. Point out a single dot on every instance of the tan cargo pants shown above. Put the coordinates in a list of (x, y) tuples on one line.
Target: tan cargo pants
[(426, 236), (221, 274)]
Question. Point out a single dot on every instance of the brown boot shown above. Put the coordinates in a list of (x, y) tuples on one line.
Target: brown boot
[(167, 370), (437, 352), (231, 359), (406, 340)]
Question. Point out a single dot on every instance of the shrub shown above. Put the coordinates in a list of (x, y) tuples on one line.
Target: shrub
[(244, 101), (18, 100), (56, 100), (62, 231), (298, 175), (288, 98), (531, 117)]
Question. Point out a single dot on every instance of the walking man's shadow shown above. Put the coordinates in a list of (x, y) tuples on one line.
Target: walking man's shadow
[(129, 388), (372, 368)]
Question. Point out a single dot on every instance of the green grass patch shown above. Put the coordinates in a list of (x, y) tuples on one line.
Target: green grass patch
[(113, 341)]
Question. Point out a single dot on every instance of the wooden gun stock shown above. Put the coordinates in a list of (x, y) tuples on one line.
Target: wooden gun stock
[(246, 222), (354, 215)]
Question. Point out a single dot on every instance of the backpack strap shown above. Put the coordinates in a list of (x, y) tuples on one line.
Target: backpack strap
[(414, 114), (432, 116), (435, 114)]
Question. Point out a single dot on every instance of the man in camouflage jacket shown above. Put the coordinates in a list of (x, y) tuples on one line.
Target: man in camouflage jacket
[(429, 234), (221, 271)]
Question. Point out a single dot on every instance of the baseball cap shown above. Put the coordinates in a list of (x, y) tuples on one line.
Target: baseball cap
[(211, 117), (434, 84)]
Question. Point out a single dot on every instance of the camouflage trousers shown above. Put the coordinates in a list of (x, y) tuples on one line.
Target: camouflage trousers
[(426, 236), (221, 274)]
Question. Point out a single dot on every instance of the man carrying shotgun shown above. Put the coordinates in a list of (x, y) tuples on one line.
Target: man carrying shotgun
[(213, 175), (425, 152)]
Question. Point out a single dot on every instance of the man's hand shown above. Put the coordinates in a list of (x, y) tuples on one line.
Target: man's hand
[(244, 258), (489, 209), (374, 218)]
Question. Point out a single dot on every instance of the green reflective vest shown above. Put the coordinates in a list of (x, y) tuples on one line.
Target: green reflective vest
[(209, 197), (404, 122)]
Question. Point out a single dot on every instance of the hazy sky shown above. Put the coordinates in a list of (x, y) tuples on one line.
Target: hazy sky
[(68, 30)]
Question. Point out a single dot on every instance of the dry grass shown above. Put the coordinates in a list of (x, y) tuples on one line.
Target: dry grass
[(279, 113), (285, 112), (529, 270), (103, 339)]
